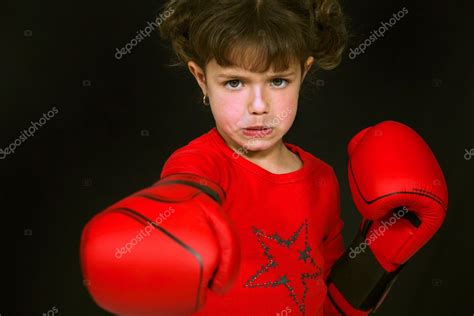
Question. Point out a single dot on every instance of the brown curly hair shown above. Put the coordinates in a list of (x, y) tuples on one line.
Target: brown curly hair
[(256, 34)]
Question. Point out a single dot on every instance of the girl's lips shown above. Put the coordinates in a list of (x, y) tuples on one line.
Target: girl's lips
[(257, 132)]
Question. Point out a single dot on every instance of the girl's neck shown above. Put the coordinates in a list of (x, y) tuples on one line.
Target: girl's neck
[(278, 159)]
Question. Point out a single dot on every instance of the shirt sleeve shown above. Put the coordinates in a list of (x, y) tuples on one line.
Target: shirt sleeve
[(333, 245)]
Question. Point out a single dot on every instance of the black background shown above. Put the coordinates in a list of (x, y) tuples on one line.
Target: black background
[(119, 120)]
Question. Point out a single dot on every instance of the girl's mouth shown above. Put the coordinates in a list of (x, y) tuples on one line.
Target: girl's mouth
[(257, 131)]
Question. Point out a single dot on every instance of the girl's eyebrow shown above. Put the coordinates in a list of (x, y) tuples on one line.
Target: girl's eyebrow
[(277, 74)]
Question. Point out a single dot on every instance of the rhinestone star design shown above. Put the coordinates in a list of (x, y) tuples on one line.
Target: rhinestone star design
[(283, 257)]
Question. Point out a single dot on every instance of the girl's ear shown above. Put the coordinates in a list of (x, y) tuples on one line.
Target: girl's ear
[(309, 62), (199, 75)]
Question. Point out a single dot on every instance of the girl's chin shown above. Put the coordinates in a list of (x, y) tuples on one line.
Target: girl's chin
[(257, 144)]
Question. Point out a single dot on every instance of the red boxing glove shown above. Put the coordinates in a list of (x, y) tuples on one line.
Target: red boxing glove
[(391, 167), (400, 190), (157, 251)]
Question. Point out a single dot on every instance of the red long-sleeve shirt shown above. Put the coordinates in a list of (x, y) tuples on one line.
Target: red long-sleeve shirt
[(289, 228)]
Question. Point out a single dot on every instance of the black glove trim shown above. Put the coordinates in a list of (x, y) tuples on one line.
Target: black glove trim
[(212, 189), (362, 280)]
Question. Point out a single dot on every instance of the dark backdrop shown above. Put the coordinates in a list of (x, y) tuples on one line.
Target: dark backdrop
[(118, 121)]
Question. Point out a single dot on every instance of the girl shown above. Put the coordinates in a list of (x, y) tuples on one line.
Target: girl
[(249, 216), (250, 58)]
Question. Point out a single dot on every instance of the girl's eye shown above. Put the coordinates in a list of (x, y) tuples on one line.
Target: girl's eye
[(279, 82), (231, 83)]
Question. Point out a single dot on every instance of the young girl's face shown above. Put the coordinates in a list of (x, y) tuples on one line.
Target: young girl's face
[(253, 111)]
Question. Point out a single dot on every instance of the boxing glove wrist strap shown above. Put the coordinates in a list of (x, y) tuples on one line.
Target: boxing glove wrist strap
[(359, 277)]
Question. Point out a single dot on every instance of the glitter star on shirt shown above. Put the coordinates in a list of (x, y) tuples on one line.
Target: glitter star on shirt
[(290, 264)]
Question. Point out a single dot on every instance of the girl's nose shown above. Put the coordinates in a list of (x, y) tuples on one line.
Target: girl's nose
[(257, 104)]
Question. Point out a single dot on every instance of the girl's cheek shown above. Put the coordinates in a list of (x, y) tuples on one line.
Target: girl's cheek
[(228, 115), (232, 110)]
